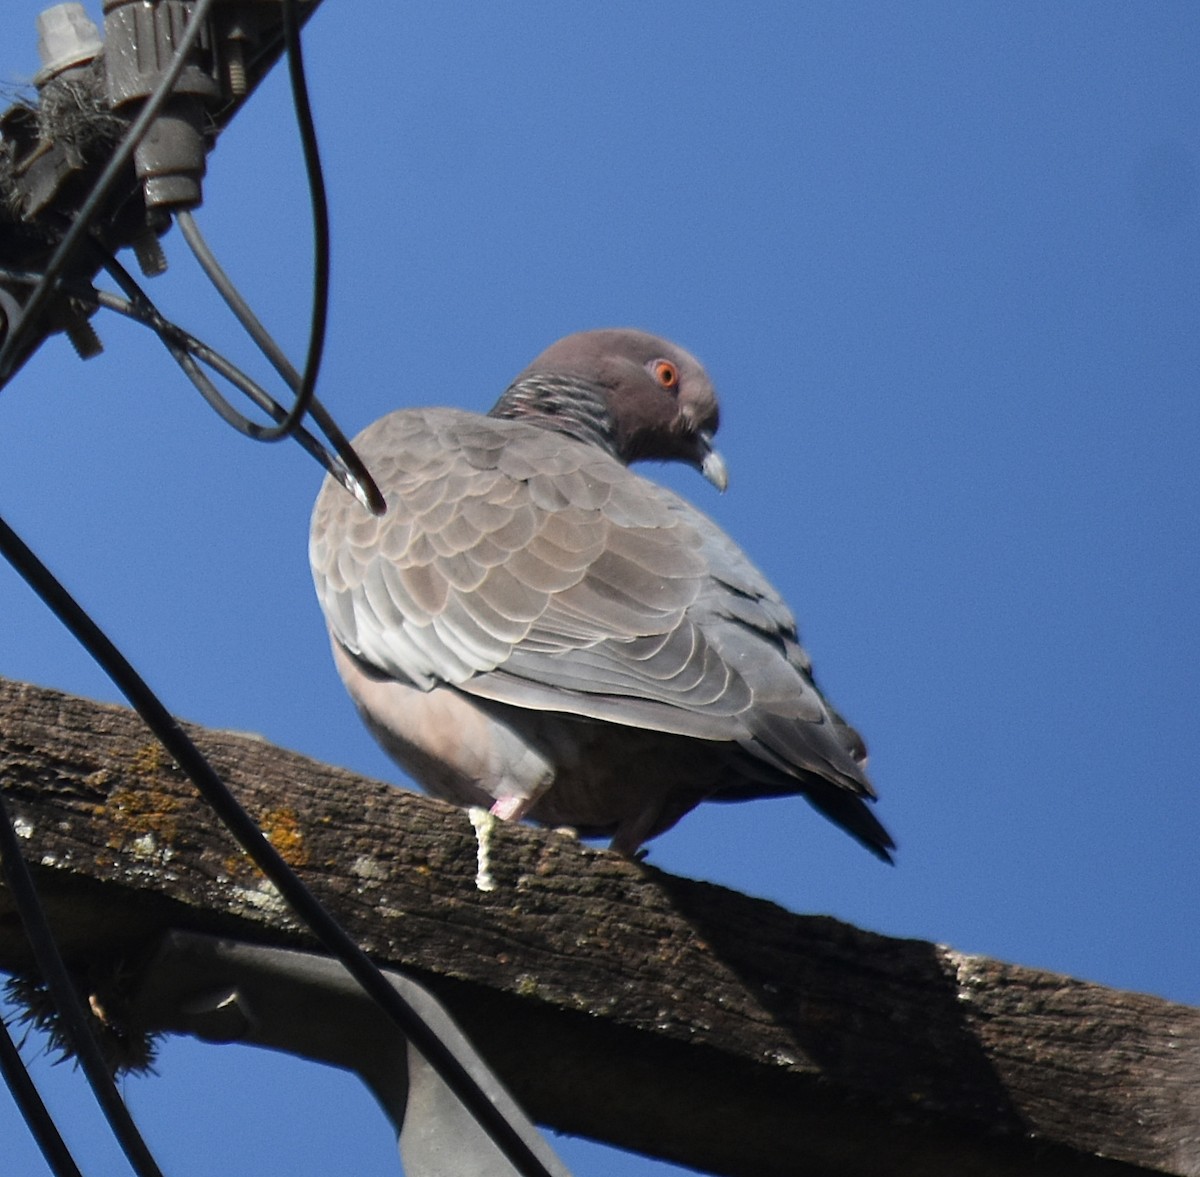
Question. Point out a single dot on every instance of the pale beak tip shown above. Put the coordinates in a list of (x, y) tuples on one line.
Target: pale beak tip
[(712, 465)]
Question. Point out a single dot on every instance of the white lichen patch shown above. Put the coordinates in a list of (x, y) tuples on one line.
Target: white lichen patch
[(240, 735), (368, 869), (969, 971), (264, 897), (483, 822), (23, 828), (145, 846)]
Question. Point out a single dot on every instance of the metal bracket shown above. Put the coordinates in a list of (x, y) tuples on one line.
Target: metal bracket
[(308, 1005)]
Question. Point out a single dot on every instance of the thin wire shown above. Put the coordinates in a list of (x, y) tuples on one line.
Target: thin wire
[(234, 299), (343, 464), (172, 333), (369, 494), (142, 310), (148, 313), (320, 215), (76, 1027), (34, 1111), (70, 243), (248, 835)]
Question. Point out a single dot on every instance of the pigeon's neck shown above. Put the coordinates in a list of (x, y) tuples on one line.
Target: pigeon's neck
[(564, 404)]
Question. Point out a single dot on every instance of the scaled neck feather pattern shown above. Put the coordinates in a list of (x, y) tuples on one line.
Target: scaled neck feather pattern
[(563, 404)]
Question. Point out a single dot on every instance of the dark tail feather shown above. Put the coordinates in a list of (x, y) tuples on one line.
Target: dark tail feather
[(854, 815)]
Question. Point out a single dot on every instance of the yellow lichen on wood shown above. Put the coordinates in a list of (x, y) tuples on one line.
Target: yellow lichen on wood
[(149, 760), (238, 864), (139, 813), (283, 831)]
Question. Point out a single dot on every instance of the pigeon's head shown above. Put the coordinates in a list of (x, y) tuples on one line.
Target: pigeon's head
[(637, 395)]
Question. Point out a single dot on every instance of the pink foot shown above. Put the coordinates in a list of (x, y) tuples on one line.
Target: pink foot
[(511, 807)]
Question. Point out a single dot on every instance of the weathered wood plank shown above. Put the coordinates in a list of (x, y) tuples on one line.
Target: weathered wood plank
[(657, 1013)]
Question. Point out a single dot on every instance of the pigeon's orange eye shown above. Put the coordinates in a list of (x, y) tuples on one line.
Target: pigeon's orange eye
[(666, 373)]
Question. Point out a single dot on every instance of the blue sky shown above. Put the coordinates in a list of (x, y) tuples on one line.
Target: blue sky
[(943, 263)]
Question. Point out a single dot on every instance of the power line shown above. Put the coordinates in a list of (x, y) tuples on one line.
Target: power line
[(52, 281)]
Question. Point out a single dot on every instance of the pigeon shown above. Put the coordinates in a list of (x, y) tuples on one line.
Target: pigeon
[(533, 628)]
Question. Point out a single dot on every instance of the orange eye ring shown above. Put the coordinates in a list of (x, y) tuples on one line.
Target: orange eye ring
[(666, 374)]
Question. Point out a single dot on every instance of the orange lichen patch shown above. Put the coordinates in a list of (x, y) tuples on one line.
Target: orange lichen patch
[(283, 831), (150, 760), (236, 865), (99, 780), (135, 813)]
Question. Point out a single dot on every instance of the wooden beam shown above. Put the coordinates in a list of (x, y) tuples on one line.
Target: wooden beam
[(656, 1013)]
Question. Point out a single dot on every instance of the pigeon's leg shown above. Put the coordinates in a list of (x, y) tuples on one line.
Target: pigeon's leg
[(519, 773), (512, 806), (632, 832)]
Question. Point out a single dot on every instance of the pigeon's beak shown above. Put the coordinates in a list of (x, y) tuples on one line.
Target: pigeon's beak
[(710, 463)]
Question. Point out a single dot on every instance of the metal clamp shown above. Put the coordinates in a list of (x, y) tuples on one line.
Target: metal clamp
[(308, 1005)]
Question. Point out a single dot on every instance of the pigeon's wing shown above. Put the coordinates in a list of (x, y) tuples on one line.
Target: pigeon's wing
[(530, 569), (513, 554), (750, 625), (794, 733)]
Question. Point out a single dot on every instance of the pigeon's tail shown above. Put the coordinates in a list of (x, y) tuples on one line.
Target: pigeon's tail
[(846, 803), (854, 815)]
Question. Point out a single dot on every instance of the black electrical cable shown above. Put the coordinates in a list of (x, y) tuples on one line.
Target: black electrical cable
[(234, 299), (359, 481), (54, 973), (70, 1009), (149, 314), (143, 311), (320, 216), (32, 312), (33, 1110), (367, 492), (248, 835), (345, 465)]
